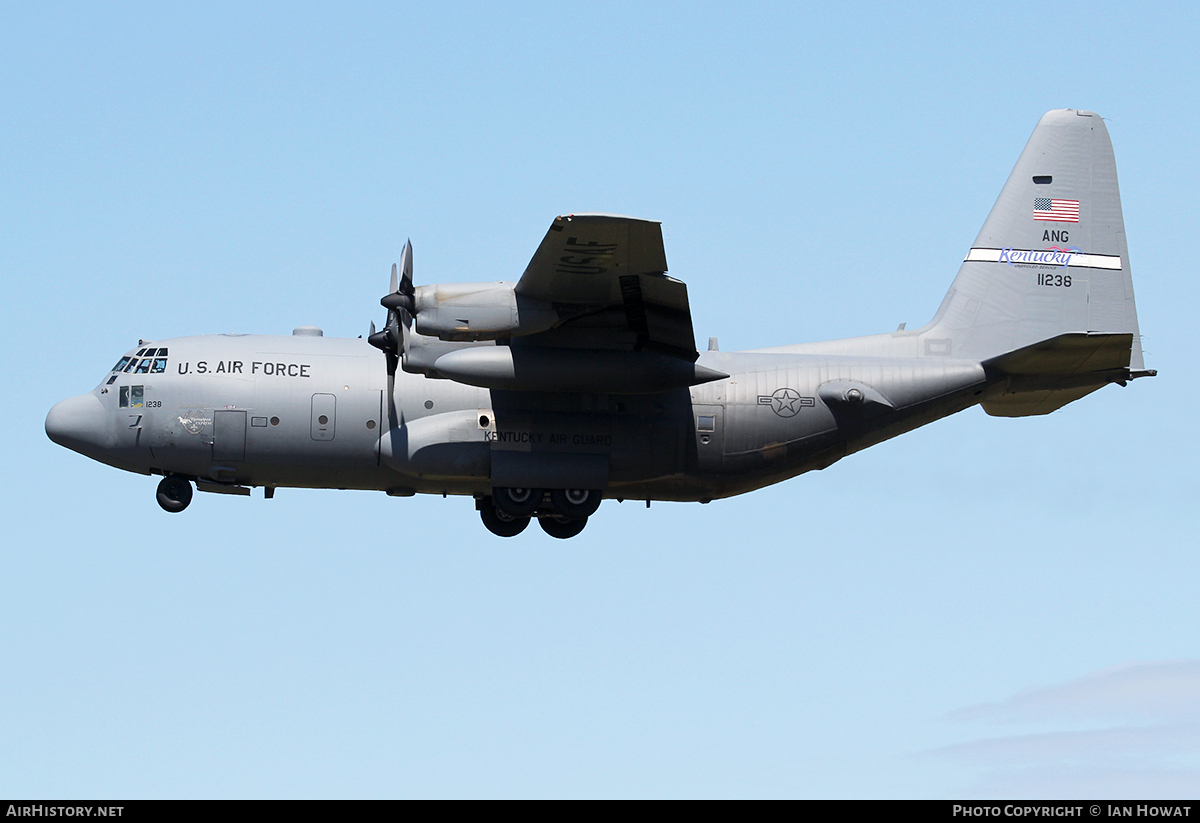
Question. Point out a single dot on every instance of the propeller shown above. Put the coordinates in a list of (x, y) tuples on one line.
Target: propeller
[(399, 302)]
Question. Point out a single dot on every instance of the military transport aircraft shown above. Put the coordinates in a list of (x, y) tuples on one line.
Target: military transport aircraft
[(581, 380)]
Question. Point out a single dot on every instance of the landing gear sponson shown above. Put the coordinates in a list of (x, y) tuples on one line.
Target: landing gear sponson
[(561, 513)]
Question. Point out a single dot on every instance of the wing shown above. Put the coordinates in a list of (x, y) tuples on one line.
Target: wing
[(606, 275)]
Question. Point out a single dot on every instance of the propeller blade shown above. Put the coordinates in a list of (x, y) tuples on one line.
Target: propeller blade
[(406, 269), (399, 303)]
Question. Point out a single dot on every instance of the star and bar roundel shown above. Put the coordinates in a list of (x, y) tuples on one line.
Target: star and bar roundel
[(786, 402)]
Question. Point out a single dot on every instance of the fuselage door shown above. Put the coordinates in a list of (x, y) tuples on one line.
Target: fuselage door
[(229, 435), (323, 408)]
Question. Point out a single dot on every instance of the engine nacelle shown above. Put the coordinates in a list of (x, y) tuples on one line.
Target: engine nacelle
[(465, 312), (512, 368)]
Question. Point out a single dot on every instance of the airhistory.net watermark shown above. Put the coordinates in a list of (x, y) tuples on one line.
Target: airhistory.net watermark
[(40, 810)]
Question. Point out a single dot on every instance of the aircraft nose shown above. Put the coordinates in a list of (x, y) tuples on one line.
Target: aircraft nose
[(78, 423)]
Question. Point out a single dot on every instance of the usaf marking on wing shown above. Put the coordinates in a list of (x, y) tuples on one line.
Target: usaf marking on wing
[(581, 380)]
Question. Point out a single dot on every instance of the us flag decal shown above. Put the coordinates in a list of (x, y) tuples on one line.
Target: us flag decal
[(1060, 211)]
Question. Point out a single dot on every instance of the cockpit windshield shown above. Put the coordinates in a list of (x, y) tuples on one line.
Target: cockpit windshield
[(148, 360)]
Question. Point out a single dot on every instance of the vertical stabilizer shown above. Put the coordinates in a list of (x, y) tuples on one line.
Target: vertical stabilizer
[(1051, 258)]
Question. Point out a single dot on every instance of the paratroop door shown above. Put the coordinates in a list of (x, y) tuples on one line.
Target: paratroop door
[(323, 408)]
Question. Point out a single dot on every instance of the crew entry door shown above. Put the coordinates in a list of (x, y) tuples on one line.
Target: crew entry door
[(229, 435), (323, 417)]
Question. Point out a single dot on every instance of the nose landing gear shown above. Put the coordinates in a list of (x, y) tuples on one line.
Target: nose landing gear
[(174, 493)]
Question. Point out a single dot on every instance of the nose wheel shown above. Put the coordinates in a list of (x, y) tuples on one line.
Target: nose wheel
[(174, 493)]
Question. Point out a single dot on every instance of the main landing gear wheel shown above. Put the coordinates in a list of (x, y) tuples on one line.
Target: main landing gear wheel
[(562, 529), (517, 502), (174, 493), (502, 525), (575, 504)]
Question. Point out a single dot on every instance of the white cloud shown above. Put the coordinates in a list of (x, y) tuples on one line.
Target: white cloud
[(1141, 692), (1093, 783), (1123, 743), (1148, 747)]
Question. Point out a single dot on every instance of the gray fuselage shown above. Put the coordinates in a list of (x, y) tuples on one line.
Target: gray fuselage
[(311, 411)]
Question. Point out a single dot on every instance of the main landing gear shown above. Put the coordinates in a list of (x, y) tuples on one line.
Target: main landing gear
[(499, 523), (174, 493), (561, 527), (508, 511)]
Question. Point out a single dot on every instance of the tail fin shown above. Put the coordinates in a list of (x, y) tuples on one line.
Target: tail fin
[(1051, 258)]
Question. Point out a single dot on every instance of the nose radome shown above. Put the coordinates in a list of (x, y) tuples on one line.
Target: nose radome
[(78, 423)]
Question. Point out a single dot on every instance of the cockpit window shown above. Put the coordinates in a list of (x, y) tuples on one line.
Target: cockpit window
[(112, 380), (148, 360)]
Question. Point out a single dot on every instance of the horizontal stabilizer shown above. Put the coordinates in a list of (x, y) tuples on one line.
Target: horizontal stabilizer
[(1048, 375), (1067, 355)]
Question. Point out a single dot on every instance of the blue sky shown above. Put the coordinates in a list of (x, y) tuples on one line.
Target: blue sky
[(983, 607)]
